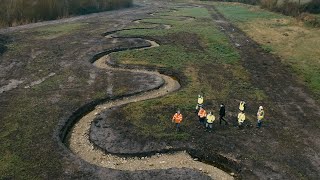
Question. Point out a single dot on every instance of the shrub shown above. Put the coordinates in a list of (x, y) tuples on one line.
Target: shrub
[(289, 8), (269, 4), (310, 19), (312, 7)]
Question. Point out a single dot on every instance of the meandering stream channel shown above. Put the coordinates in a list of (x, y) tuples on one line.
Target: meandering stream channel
[(80, 144)]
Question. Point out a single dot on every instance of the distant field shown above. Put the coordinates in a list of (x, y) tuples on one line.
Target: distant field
[(297, 44)]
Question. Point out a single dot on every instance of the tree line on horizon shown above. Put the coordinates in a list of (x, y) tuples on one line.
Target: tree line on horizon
[(18, 12)]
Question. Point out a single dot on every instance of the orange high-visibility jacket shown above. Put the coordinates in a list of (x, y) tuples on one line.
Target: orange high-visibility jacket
[(177, 118), (202, 113)]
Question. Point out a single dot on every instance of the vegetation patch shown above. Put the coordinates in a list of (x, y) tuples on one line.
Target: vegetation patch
[(242, 13), (190, 41), (188, 12), (4, 40), (58, 30)]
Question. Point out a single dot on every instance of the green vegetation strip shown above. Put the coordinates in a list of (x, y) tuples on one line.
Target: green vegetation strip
[(243, 13)]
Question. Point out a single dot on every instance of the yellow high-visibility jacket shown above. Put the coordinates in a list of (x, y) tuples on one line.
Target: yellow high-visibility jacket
[(241, 117), (200, 100), (241, 106), (260, 114), (210, 118)]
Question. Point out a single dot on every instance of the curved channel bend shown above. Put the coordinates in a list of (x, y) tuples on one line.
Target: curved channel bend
[(80, 144)]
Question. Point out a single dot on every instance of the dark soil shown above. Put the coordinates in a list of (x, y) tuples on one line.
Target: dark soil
[(190, 41), (109, 132)]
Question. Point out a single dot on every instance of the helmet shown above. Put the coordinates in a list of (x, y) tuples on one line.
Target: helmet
[(260, 107)]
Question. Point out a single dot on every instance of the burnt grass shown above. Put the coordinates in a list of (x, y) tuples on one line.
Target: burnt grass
[(30, 147)]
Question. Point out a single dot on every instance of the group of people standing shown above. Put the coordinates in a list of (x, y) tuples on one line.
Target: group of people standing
[(207, 119)]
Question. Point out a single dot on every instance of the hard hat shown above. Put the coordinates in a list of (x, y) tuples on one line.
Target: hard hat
[(260, 107)]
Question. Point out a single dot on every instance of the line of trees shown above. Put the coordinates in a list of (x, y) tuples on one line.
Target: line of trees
[(17, 12), (293, 8)]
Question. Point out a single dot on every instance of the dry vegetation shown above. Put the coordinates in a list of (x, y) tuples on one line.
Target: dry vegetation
[(17, 12), (292, 7)]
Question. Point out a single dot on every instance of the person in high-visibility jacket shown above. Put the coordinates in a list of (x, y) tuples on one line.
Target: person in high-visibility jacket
[(241, 118), (242, 106), (210, 119), (260, 116), (202, 114), (177, 119), (199, 102)]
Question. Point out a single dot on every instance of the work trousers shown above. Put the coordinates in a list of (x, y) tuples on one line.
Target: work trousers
[(222, 119), (202, 120)]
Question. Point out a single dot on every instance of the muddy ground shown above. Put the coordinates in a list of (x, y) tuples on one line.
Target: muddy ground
[(286, 148)]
